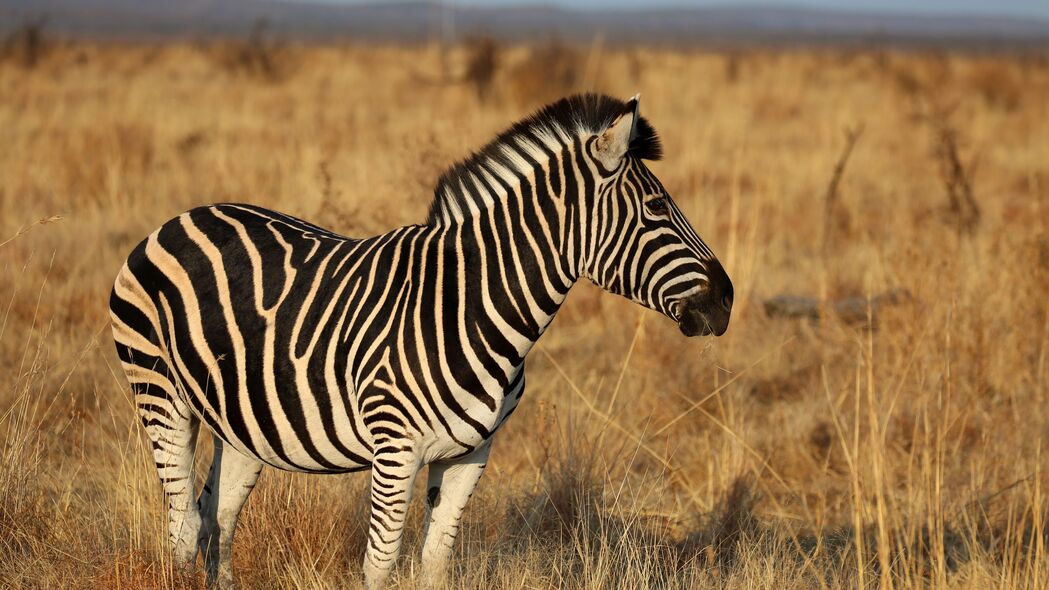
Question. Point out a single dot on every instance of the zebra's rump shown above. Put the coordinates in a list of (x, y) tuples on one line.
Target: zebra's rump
[(236, 305)]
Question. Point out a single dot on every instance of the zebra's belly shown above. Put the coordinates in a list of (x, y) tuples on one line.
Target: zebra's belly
[(305, 434), (292, 423), (296, 456)]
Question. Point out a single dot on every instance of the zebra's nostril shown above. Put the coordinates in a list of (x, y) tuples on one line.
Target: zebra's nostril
[(726, 302)]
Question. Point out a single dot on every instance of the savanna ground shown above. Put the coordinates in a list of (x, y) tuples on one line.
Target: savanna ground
[(903, 449)]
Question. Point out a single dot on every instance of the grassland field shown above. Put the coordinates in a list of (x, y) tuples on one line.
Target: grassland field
[(902, 448)]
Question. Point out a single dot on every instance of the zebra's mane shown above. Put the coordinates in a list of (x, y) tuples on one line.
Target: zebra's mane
[(575, 116)]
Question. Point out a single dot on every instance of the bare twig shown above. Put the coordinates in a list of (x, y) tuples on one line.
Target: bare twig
[(981, 501), (832, 212), (962, 208), (258, 52)]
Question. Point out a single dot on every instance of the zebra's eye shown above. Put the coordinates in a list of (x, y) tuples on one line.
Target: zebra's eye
[(657, 205)]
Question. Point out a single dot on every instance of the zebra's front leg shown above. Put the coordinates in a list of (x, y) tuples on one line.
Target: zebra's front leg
[(449, 486), (393, 473)]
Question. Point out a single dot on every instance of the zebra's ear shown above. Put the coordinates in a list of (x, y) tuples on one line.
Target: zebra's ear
[(613, 144), (634, 102)]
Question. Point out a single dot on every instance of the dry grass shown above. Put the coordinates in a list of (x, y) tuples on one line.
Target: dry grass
[(787, 453)]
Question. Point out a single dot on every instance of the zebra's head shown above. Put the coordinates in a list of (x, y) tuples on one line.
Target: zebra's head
[(638, 242)]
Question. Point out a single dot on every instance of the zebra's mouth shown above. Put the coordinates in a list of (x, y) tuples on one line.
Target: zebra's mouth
[(695, 317), (695, 323)]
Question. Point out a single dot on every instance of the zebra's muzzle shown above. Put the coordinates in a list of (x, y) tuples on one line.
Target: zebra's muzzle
[(706, 311), (702, 315)]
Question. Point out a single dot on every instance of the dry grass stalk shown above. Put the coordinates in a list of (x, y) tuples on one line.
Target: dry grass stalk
[(26, 228), (671, 471)]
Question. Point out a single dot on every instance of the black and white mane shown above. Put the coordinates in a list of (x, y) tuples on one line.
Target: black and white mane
[(559, 123)]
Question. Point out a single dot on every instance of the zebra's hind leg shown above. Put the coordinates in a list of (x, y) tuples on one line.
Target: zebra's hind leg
[(449, 486), (231, 479), (172, 429), (393, 473)]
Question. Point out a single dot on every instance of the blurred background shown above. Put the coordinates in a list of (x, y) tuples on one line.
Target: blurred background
[(853, 22), (874, 177)]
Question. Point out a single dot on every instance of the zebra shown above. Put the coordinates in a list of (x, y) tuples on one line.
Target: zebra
[(309, 351)]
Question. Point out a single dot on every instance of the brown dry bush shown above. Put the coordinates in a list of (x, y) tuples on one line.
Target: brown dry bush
[(27, 44), (260, 56), (547, 73), (482, 65), (962, 208), (997, 83)]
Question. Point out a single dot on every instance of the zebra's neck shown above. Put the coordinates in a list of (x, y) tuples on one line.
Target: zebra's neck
[(525, 187), (505, 169), (512, 256), (512, 208)]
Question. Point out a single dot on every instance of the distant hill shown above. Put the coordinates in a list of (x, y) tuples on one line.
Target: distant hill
[(420, 20)]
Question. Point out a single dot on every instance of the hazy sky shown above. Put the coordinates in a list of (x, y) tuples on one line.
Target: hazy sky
[(1036, 8)]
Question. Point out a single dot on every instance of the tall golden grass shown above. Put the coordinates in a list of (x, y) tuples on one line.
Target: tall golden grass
[(904, 449)]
